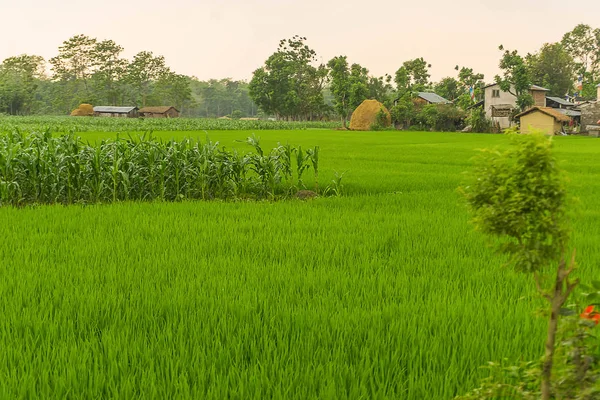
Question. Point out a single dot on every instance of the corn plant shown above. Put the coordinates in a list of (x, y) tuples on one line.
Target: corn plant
[(39, 168)]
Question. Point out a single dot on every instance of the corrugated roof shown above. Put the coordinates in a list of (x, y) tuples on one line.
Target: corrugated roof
[(536, 87), (113, 109), (157, 109), (553, 112), (569, 113), (433, 98), (560, 101), (533, 87)]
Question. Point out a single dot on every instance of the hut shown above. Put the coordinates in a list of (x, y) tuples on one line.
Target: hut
[(159, 112), (118, 112), (544, 119)]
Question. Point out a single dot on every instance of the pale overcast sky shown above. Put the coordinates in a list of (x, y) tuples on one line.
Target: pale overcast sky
[(231, 38)]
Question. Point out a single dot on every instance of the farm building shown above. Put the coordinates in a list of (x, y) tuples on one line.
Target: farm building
[(545, 119), (159, 112), (112, 111)]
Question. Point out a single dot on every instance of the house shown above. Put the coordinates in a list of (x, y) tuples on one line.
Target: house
[(112, 111), (590, 113), (499, 105), (431, 98), (159, 112), (545, 119)]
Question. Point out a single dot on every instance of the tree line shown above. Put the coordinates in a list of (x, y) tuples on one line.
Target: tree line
[(87, 70), (291, 85)]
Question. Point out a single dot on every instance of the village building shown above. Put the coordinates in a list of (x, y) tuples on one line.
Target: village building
[(118, 112), (590, 114), (543, 119), (159, 112), (500, 105), (430, 98)]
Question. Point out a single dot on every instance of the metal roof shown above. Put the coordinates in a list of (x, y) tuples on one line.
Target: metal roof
[(433, 98), (560, 101), (569, 113), (114, 110), (533, 87), (536, 87)]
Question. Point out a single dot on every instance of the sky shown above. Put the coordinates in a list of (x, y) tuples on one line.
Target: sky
[(231, 38)]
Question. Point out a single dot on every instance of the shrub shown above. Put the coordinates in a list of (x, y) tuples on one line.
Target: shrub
[(479, 121)]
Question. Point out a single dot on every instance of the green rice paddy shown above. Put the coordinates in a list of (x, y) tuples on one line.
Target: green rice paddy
[(383, 293)]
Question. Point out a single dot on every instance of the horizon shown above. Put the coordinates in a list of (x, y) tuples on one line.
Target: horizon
[(254, 29)]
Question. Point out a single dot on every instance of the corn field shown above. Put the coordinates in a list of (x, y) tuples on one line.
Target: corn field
[(99, 124), (38, 168)]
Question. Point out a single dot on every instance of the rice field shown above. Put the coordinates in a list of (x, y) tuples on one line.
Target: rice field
[(383, 293)]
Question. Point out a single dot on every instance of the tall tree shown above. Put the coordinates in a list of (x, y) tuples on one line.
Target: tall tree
[(552, 67), (339, 76), (109, 71), (515, 77), (448, 88), (75, 60), (19, 80), (583, 44), (469, 80), (289, 85), (349, 85), (143, 71), (412, 76)]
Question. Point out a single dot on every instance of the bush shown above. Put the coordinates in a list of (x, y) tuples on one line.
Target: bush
[(441, 117), (478, 121)]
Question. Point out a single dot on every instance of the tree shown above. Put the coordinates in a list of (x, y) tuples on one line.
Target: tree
[(289, 85), (468, 80), (74, 61), (19, 79), (412, 76), (553, 68), (583, 44), (143, 71), (519, 196), (339, 76), (380, 89), (515, 78), (449, 88), (109, 71), (174, 89)]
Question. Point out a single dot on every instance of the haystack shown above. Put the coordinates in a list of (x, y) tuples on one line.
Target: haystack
[(84, 110), (365, 115)]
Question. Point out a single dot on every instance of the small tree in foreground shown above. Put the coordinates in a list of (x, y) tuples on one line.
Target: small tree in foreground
[(519, 196)]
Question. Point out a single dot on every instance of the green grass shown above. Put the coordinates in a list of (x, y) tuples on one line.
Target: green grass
[(383, 293)]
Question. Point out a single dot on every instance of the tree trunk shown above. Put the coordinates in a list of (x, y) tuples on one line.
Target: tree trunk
[(344, 123), (557, 299)]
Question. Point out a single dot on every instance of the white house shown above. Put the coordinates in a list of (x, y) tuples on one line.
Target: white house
[(499, 105)]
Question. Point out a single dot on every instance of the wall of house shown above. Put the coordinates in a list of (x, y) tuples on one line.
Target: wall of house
[(539, 98), (505, 98), (172, 113), (538, 121), (590, 115)]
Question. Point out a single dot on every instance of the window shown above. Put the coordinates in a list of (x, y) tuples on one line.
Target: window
[(496, 93)]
